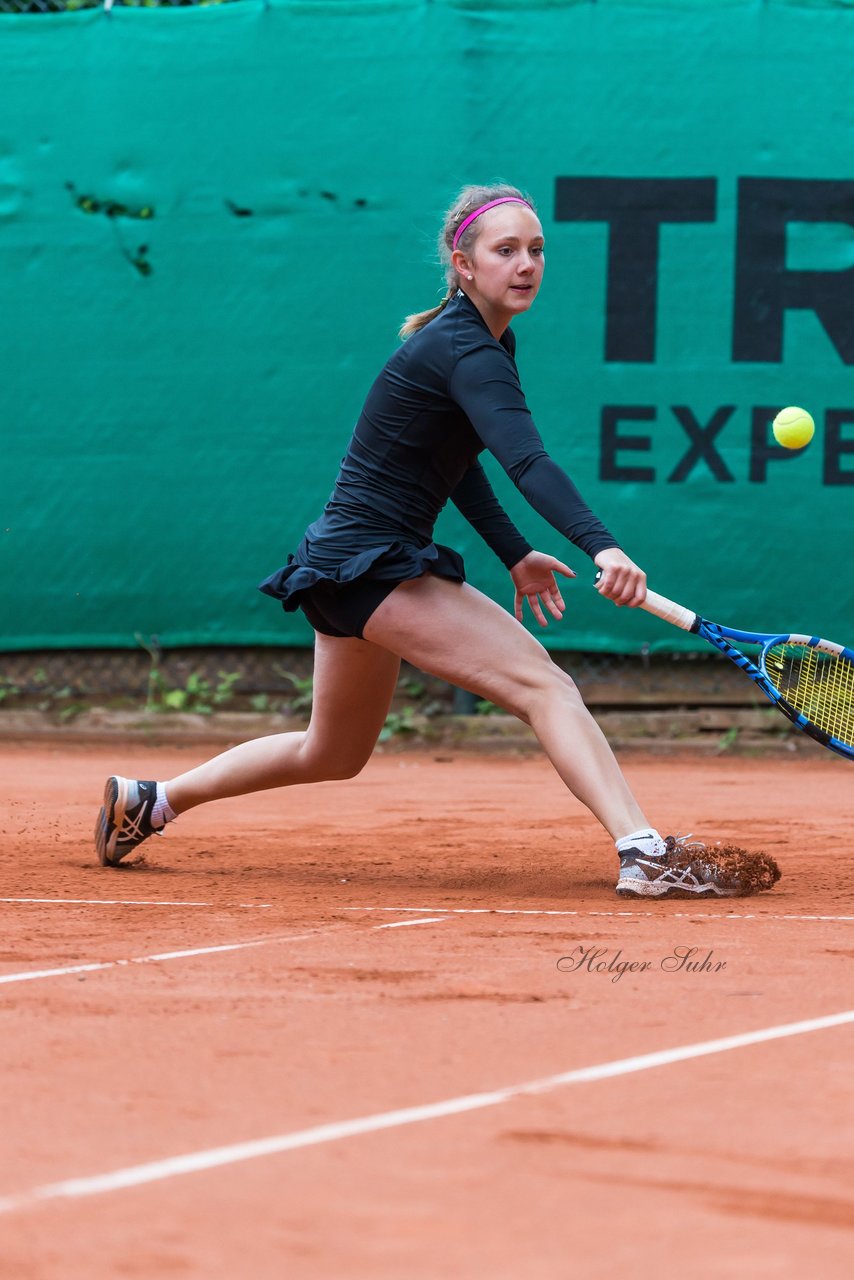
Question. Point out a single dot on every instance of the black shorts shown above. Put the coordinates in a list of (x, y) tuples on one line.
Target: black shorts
[(343, 608)]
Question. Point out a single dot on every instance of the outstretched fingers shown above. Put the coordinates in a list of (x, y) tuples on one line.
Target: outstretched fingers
[(534, 580)]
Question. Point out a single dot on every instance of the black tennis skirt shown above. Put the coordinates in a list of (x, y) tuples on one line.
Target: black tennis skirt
[(339, 599)]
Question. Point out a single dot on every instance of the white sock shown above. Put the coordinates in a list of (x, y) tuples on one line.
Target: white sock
[(648, 842), (161, 813)]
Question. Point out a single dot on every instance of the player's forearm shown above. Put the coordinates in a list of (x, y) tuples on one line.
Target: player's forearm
[(553, 495), (475, 499)]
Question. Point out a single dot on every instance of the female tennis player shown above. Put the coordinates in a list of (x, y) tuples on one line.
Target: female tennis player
[(377, 589)]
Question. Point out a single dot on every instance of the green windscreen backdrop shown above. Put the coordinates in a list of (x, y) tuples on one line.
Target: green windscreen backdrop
[(213, 220)]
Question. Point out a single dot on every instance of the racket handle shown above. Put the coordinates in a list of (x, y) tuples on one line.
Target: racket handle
[(669, 611)]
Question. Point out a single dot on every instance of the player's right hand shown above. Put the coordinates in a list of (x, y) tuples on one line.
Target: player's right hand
[(619, 578)]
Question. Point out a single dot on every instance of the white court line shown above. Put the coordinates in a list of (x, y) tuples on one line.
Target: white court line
[(670, 915), (402, 924), (136, 902), (215, 1157), (31, 975)]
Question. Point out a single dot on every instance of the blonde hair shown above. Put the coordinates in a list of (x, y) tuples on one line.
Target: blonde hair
[(469, 199)]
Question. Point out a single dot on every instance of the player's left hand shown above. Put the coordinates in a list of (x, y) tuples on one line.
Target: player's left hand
[(534, 580)]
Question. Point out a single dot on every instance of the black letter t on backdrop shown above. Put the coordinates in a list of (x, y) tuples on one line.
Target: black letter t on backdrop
[(634, 209)]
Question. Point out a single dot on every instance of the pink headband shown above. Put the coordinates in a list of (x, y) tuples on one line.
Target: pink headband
[(483, 209)]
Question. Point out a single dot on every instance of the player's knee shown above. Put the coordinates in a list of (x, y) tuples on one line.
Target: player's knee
[(322, 764), (546, 683), (567, 684), (340, 770)]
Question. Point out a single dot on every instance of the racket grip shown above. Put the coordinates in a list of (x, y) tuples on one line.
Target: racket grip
[(669, 611)]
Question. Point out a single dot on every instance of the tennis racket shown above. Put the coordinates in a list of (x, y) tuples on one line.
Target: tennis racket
[(809, 679)]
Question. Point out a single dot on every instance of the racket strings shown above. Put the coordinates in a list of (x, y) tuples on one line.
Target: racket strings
[(818, 685)]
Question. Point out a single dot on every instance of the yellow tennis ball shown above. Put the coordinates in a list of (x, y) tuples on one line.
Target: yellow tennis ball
[(793, 428)]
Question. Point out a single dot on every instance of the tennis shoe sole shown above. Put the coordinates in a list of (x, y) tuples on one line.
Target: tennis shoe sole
[(653, 889)]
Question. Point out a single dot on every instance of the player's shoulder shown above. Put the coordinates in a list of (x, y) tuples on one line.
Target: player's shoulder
[(471, 333), (459, 330)]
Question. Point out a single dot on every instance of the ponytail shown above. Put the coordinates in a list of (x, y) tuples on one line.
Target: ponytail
[(418, 319)]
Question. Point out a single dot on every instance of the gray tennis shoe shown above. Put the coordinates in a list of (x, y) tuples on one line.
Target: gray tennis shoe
[(685, 871)]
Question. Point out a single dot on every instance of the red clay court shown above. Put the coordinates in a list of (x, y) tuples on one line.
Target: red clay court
[(336, 1041)]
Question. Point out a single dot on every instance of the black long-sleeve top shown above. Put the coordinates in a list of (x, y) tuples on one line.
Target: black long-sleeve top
[(449, 392)]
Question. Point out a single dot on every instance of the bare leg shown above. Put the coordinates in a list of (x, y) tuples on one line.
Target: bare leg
[(353, 686), (453, 631)]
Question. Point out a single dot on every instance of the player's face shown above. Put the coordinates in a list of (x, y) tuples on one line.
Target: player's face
[(506, 263)]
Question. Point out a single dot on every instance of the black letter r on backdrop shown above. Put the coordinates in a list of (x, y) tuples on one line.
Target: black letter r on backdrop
[(764, 287)]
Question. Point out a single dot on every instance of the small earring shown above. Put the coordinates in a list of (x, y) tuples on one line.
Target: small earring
[(469, 277)]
